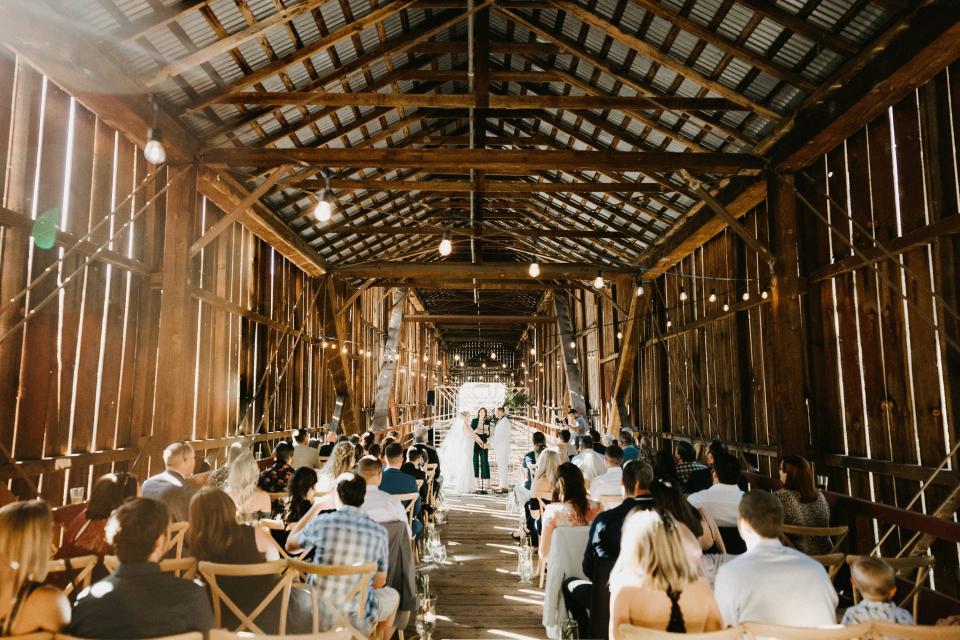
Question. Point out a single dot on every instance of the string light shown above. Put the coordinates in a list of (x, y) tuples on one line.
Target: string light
[(669, 323), (639, 290), (713, 295), (493, 355), (683, 295), (598, 281), (446, 243), (764, 295), (619, 335), (726, 305), (573, 345), (745, 296), (533, 351)]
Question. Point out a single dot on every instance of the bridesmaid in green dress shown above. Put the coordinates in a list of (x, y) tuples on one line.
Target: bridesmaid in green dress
[(481, 455)]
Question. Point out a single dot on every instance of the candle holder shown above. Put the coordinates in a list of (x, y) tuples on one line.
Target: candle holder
[(426, 617), (525, 564)]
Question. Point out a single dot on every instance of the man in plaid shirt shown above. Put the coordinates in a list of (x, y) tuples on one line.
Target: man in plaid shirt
[(687, 463), (350, 537)]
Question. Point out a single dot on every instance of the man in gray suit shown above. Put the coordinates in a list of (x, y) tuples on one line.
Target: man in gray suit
[(173, 486)]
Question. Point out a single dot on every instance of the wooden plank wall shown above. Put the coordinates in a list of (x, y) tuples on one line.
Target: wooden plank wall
[(80, 378)]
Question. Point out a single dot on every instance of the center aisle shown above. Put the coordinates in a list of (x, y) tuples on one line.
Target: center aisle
[(478, 592)]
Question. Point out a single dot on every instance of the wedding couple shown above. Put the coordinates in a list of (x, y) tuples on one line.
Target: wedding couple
[(466, 449)]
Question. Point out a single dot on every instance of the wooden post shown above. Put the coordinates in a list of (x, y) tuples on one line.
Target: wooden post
[(788, 385), (381, 406), (344, 412), (626, 363), (174, 401), (572, 369)]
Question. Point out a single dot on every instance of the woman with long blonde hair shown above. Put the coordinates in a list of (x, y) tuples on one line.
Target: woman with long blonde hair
[(545, 477), (252, 502), (26, 531), (656, 582)]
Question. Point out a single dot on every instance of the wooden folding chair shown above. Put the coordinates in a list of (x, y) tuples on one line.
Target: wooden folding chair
[(194, 635), (609, 502), (835, 534), (82, 568), (831, 562), (359, 589), (542, 498), (883, 630), (631, 632), (37, 635), (211, 571), (185, 568), (272, 524), (757, 630), (409, 502), (903, 567), (220, 634), (176, 535)]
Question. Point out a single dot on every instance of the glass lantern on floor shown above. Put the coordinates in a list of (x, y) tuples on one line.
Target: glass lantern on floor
[(525, 567), (426, 617), (435, 547)]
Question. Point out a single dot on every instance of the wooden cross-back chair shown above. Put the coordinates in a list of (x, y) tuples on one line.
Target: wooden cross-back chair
[(79, 570), (757, 630), (609, 502), (359, 589), (836, 535), (193, 635), (409, 502), (631, 632), (542, 498), (431, 471), (883, 630), (831, 562), (185, 568), (211, 571), (176, 536), (220, 634), (903, 567)]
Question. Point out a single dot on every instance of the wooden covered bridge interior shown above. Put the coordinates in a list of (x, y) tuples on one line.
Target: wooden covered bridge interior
[(703, 219)]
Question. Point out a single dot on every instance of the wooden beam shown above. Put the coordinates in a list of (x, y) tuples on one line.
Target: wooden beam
[(571, 366), (925, 43), (477, 319), (381, 403), (353, 297), (470, 101), (232, 41), (789, 397), (469, 285), (457, 186), (798, 25), (648, 50), (486, 159), (500, 46), (488, 232), (489, 271), (346, 418), (626, 363), (227, 194)]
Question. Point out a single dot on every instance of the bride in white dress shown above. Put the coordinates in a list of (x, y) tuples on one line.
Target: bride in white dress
[(456, 455)]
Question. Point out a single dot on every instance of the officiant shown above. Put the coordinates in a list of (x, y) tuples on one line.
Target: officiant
[(500, 443), (481, 454)]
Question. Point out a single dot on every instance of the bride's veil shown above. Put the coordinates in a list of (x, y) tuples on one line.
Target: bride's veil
[(456, 457)]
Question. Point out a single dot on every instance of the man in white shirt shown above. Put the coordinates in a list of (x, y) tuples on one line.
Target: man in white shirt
[(609, 483), (379, 505), (589, 461), (303, 454), (722, 499), (771, 583)]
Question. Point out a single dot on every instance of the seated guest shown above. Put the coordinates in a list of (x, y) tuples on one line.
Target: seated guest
[(172, 487), (413, 467), (367, 439), (803, 504), (571, 507), (394, 481), (544, 481), (353, 439), (300, 494), (630, 450), (216, 536), (218, 477), (530, 458), (318, 439), (340, 462), (610, 482), (721, 500), (26, 533), (687, 463), (589, 461), (567, 447), (350, 537), (303, 454), (374, 451), (603, 549), (664, 466), (252, 503), (421, 436), (328, 444), (598, 445), (358, 453), (378, 504), (656, 584), (274, 478), (877, 583), (756, 586), (646, 449), (668, 498), (85, 534), (139, 600)]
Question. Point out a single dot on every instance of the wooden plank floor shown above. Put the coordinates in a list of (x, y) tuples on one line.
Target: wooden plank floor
[(478, 592)]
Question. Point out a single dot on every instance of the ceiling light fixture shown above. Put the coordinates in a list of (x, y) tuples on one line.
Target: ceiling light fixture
[(446, 243)]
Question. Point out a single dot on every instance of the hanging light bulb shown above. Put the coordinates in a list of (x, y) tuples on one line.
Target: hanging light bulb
[(619, 335), (573, 345), (764, 294), (534, 268), (746, 296), (639, 290), (153, 151), (713, 295), (669, 323), (533, 351), (726, 305), (324, 209), (683, 295), (503, 365), (493, 355), (446, 243), (598, 281), (343, 349)]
